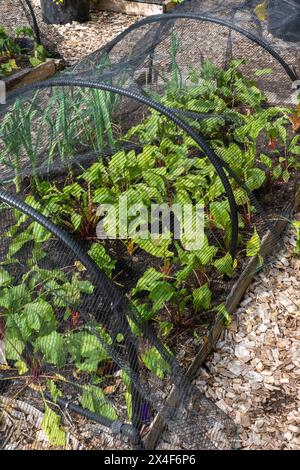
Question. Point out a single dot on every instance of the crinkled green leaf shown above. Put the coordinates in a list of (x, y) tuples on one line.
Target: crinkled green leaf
[(98, 253), (255, 178), (53, 348), (86, 351), (253, 245), (148, 281), (5, 278), (158, 248), (225, 265), (202, 298), (162, 293)]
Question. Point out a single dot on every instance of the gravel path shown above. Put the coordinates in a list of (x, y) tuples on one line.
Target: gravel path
[(79, 40)]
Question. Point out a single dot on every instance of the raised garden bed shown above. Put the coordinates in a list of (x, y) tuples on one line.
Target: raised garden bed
[(108, 320), (23, 60)]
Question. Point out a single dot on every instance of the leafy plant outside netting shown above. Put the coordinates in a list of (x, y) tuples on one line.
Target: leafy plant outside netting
[(163, 118)]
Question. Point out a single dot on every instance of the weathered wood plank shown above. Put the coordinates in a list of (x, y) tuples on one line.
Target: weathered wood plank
[(131, 7), (235, 296)]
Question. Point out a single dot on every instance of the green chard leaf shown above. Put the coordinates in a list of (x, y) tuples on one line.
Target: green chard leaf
[(253, 245), (225, 265), (93, 399), (5, 278)]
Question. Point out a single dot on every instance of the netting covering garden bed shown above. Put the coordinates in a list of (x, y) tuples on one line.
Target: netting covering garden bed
[(134, 189)]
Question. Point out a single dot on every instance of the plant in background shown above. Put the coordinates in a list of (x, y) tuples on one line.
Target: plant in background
[(296, 225), (7, 68), (8, 46), (40, 55), (8, 49)]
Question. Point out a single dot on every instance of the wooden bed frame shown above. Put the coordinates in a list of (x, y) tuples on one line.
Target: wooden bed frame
[(136, 7)]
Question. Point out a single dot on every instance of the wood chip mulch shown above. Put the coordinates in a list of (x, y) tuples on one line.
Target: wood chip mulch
[(254, 374)]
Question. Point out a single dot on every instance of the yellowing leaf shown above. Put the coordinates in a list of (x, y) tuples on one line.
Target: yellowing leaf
[(59, 377), (79, 266), (261, 11), (37, 387), (295, 121), (22, 367)]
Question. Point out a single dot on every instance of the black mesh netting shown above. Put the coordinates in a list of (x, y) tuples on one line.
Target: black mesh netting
[(134, 189)]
